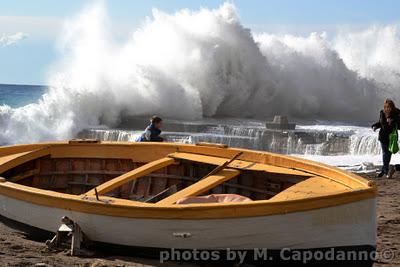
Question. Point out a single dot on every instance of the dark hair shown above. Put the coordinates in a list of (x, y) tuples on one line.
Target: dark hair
[(390, 103), (389, 107), (155, 119)]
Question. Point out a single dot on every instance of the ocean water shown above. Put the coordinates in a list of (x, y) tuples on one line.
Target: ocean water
[(20, 95), (352, 147)]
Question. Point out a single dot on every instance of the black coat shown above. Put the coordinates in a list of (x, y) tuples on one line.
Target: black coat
[(386, 124), (151, 134)]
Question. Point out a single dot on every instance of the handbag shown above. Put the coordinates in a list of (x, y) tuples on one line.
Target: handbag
[(393, 141)]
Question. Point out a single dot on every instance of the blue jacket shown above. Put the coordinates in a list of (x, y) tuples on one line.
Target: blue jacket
[(151, 134)]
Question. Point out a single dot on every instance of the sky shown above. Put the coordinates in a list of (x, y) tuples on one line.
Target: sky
[(30, 29)]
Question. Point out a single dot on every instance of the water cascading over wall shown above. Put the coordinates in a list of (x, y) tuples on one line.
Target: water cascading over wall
[(360, 141)]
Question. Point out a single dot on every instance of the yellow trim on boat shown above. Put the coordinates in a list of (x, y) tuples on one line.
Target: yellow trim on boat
[(137, 152), (11, 161), (133, 209)]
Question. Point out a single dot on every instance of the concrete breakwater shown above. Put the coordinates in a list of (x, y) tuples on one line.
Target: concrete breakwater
[(306, 140)]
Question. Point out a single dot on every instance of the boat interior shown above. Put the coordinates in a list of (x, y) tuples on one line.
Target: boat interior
[(163, 174)]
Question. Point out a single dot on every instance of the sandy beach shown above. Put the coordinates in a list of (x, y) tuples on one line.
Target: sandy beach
[(18, 249), (388, 213)]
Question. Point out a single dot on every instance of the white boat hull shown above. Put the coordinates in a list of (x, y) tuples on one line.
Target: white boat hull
[(352, 224)]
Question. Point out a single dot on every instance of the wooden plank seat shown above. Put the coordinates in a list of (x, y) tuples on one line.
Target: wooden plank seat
[(311, 187), (201, 186), (132, 175)]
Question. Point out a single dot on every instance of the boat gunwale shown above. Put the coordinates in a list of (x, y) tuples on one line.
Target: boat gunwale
[(304, 164)]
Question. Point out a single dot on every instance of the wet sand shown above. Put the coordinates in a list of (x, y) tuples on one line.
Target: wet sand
[(17, 249), (388, 213)]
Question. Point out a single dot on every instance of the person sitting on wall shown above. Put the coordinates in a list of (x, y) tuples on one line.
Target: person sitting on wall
[(153, 131)]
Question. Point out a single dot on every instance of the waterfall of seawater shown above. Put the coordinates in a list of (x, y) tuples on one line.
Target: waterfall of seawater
[(304, 140)]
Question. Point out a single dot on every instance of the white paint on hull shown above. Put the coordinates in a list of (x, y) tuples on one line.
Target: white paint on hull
[(345, 225)]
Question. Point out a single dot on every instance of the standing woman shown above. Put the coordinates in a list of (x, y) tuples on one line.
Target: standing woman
[(388, 120)]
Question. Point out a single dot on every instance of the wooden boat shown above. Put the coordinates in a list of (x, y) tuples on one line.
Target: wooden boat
[(132, 194)]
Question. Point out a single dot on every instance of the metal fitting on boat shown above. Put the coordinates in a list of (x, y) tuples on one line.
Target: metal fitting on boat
[(66, 220), (84, 141), (211, 145), (182, 235)]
